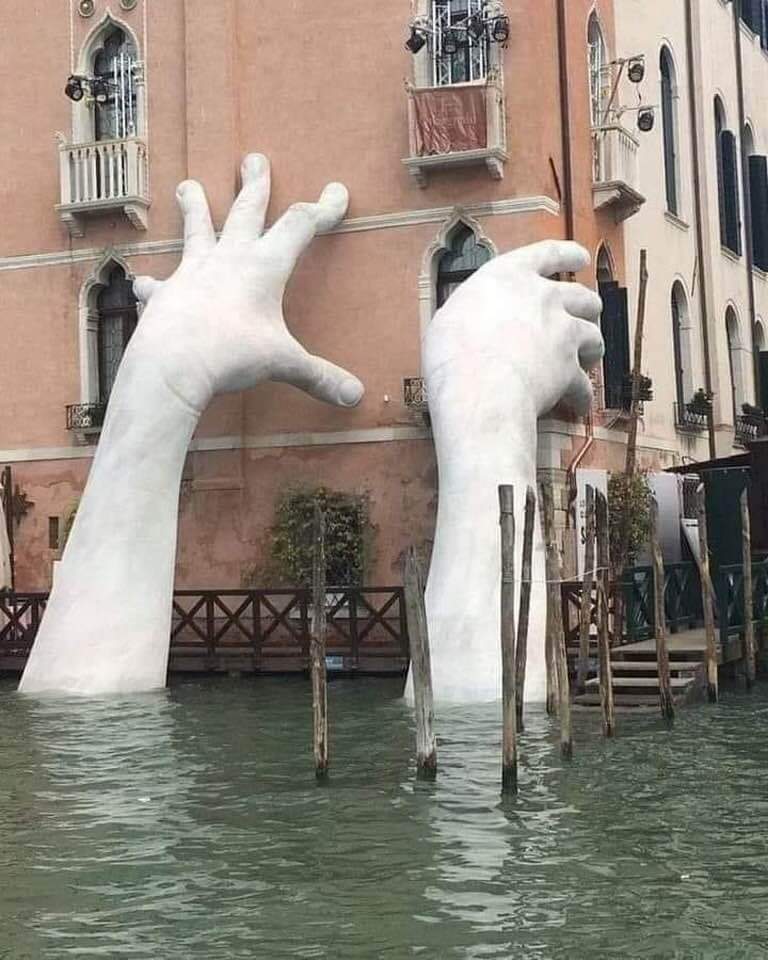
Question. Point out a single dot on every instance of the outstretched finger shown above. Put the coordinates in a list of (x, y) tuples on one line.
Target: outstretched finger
[(320, 378), (199, 235), (294, 231), (580, 301), (144, 288), (548, 257), (246, 218), (590, 344)]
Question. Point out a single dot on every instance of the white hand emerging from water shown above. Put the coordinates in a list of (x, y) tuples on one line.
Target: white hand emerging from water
[(216, 325), (506, 348)]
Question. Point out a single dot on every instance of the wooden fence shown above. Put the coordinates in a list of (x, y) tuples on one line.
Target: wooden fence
[(252, 630)]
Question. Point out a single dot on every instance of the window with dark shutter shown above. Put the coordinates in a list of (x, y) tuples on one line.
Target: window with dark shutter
[(614, 324), (731, 225), (116, 307), (669, 129), (758, 201)]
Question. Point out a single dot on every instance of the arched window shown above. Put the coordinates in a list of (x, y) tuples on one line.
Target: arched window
[(114, 66), (598, 69), (681, 345), (604, 264), (116, 318), (669, 129), (614, 324), (463, 256), (758, 199), (734, 361), (728, 182), (457, 57)]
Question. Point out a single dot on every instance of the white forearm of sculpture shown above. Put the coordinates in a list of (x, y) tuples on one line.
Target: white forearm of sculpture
[(463, 588), (107, 625)]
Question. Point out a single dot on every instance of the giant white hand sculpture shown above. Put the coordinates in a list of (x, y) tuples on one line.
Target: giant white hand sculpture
[(216, 325), (506, 347)]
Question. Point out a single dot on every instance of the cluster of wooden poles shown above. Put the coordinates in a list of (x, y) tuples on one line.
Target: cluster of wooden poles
[(514, 629)]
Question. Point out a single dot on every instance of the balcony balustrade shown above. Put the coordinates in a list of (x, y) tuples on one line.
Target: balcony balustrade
[(457, 125), (689, 421), (104, 176), (749, 427), (615, 171)]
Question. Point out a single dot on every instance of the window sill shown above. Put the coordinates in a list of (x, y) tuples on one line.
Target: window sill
[(676, 221), (730, 254)]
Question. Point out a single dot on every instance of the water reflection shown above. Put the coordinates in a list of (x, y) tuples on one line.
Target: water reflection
[(188, 824)]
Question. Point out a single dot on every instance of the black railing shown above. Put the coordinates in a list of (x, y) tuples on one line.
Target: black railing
[(85, 416), (729, 588), (415, 392), (365, 625), (687, 419), (748, 428)]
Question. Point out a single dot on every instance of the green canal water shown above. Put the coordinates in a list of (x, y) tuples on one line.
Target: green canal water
[(188, 824)]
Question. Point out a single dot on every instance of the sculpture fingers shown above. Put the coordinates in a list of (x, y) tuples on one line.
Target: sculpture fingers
[(590, 345), (297, 227), (580, 301), (246, 218), (144, 288), (547, 258), (199, 235), (320, 378), (579, 393)]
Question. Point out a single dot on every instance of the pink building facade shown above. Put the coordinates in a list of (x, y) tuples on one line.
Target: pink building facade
[(183, 88)]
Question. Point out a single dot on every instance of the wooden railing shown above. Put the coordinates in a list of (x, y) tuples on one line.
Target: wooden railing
[(260, 629), (729, 591)]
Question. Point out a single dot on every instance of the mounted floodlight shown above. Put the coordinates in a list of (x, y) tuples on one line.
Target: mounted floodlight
[(450, 43), (636, 70), (74, 88), (100, 90), (500, 29), (646, 118), (416, 41), (476, 27)]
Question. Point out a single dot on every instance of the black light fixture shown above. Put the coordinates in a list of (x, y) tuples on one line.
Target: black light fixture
[(500, 29), (74, 88), (450, 43), (636, 70), (646, 118), (416, 41), (476, 27), (100, 90)]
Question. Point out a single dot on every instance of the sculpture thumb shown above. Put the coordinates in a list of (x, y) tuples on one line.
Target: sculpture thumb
[(144, 288), (321, 379)]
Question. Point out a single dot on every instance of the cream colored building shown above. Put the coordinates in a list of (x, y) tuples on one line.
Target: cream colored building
[(703, 223)]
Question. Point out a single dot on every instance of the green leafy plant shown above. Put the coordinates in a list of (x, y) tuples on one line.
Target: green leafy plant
[(629, 508), (347, 536)]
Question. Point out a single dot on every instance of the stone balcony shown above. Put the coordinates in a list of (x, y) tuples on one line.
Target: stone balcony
[(103, 177), (615, 171), (460, 125)]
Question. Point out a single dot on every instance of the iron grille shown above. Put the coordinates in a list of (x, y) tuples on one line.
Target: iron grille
[(85, 416)]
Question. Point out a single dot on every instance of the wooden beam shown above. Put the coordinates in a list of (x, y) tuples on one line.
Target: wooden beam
[(603, 630), (749, 615), (555, 631), (317, 650), (521, 653), (707, 596), (421, 668), (508, 672)]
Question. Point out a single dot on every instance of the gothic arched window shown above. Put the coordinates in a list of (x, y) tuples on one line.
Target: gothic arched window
[(669, 129), (114, 66), (463, 256), (117, 319)]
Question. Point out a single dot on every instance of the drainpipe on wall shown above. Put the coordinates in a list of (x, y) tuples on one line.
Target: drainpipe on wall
[(697, 188), (565, 119), (745, 179)]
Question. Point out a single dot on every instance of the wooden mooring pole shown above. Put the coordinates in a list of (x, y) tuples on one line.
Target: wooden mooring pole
[(555, 631), (508, 671), (666, 704), (749, 614), (317, 650), (421, 668), (603, 629), (707, 596), (585, 612), (523, 617)]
